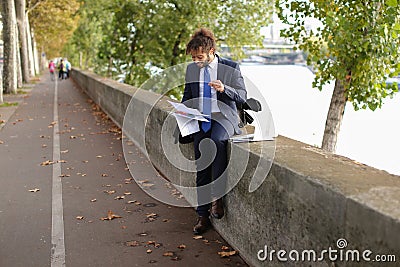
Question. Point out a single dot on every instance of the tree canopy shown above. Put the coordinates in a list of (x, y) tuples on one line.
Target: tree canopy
[(138, 35), (358, 43), (357, 47), (53, 23)]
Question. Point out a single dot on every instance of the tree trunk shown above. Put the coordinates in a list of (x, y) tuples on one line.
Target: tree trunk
[(17, 50), (335, 117), (21, 21), (176, 51), (1, 55), (30, 47), (109, 69), (10, 55), (1, 84), (35, 54)]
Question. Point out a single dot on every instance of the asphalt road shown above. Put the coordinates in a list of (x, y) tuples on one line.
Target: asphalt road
[(62, 170)]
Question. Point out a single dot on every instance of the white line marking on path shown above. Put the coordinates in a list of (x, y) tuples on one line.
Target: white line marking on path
[(57, 214)]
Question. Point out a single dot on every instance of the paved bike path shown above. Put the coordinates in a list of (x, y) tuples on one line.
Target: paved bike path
[(84, 146)]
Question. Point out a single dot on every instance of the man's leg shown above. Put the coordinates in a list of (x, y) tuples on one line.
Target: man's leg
[(203, 178), (222, 130)]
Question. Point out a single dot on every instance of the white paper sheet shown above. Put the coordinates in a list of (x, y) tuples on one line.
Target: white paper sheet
[(187, 118)]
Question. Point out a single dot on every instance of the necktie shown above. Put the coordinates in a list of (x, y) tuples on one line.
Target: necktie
[(206, 126)]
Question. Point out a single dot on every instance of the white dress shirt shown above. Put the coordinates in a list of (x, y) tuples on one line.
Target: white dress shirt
[(213, 70)]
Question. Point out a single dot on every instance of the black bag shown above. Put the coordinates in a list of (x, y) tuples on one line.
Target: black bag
[(250, 104), (179, 138)]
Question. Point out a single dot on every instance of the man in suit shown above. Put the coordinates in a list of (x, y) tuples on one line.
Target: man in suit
[(214, 86)]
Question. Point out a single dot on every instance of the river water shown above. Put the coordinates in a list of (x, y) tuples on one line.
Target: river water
[(299, 112)]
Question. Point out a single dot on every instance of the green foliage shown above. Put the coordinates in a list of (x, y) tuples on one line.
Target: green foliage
[(53, 23), (358, 43), (143, 36), (8, 104)]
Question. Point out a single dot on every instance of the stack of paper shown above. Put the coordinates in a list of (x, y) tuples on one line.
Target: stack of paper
[(187, 118)]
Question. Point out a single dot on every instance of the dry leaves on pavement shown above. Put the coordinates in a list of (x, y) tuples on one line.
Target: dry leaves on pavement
[(46, 163), (34, 190), (132, 243), (110, 216), (224, 254)]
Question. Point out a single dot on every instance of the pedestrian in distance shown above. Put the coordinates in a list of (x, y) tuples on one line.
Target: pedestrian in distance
[(61, 70), (67, 68), (213, 85), (52, 68)]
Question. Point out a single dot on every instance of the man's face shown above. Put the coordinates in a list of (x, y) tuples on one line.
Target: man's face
[(202, 58)]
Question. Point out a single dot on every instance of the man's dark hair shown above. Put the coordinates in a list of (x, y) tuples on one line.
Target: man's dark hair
[(202, 38)]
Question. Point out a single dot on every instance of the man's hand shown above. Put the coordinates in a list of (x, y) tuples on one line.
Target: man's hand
[(217, 85)]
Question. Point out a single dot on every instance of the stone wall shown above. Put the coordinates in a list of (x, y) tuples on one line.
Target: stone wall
[(309, 200)]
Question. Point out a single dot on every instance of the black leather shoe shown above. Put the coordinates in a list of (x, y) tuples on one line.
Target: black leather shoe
[(217, 209), (202, 225)]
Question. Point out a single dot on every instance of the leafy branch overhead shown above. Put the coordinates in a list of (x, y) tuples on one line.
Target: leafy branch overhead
[(130, 37), (358, 42), (53, 22)]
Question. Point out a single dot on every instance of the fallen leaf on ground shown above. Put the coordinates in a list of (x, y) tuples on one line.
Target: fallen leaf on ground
[(65, 175), (119, 197), (224, 254), (110, 216), (47, 162), (99, 156), (132, 243), (127, 193), (168, 254), (147, 184), (104, 175), (197, 237), (182, 246), (34, 190), (149, 251), (61, 161), (225, 248), (154, 243), (64, 151), (79, 217), (93, 200), (109, 192)]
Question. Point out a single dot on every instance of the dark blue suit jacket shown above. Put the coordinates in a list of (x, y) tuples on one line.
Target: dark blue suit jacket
[(235, 91)]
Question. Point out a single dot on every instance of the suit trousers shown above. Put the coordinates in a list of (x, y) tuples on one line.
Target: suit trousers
[(211, 172)]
